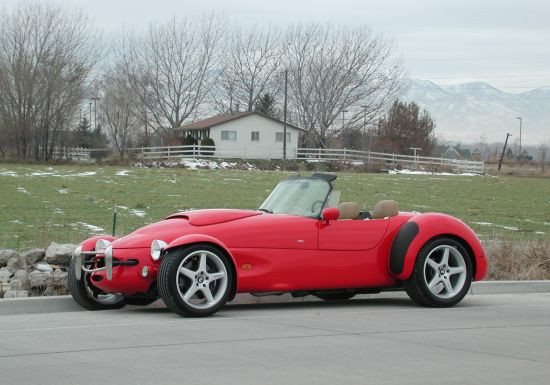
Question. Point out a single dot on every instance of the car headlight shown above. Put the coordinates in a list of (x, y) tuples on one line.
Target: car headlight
[(156, 248), (101, 245), (77, 251)]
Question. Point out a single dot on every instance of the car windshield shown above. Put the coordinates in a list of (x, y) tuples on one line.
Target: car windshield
[(301, 196)]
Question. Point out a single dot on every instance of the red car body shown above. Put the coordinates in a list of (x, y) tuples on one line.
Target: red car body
[(288, 253)]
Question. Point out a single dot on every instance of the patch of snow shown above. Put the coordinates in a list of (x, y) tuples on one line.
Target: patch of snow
[(540, 232), (95, 229), (122, 207), (138, 213), (509, 228), (41, 173), (17, 221), (483, 223), (122, 173), (419, 172), (86, 173), (63, 191), (22, 190), (8, 173)]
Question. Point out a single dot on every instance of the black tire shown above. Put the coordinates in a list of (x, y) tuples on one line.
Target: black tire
[(335, 296), (417, 287), (81, 295), (172, 288)]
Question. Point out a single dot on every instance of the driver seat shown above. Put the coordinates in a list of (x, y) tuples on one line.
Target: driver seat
[(349, 210)]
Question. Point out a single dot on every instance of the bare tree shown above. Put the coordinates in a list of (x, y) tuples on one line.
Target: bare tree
[(172, 68), (119, 113), (46, 58), (336, 70), (250, 67)]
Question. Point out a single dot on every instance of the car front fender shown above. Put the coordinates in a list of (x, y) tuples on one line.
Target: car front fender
[(416, 232), (200, 238)]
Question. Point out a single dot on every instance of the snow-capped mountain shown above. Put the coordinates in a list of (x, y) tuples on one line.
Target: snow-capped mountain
[(465, 112)]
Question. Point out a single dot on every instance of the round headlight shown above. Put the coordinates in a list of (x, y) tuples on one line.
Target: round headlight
[(109, 251), (77, 251), (101, 245), (156, 248)]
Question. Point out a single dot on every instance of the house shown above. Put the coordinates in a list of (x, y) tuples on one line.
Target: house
[(245, 135), (448, 152)]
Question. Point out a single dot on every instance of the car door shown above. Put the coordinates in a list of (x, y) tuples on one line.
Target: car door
[(352, 235)]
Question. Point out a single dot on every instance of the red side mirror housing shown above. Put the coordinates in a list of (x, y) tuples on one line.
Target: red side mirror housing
[(330, 214)]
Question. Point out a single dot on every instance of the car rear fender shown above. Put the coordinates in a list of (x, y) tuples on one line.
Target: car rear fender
[(419, 230), (191, 239)]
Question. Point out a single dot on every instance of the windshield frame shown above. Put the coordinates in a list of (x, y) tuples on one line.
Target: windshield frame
[(325, 200)]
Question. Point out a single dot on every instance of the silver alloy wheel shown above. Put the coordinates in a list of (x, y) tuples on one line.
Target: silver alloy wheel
[(102, 297), (445, 271), (202, 279)]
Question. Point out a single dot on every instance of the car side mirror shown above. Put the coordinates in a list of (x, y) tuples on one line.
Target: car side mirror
[(330, 214)]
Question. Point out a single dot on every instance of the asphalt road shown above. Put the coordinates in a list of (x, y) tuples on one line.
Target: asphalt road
[(488, 339)]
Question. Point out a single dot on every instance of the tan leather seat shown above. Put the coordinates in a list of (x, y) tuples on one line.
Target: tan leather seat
[(349, 210), (385, 209)]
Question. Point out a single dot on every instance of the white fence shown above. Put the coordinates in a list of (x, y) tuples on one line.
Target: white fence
[(307, 154)]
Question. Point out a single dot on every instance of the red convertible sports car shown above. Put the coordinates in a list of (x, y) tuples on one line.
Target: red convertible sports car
[(300, 241)]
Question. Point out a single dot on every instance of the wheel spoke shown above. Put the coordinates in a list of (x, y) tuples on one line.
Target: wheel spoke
[(435, 280), (445, 259), (188, 273), (433, 264), (456, 270), (216, 276), (207, 294), (189, 293), (448, 286), (202, 262)]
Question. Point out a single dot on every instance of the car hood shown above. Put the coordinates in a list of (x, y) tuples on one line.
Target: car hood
[(179, 224), (213, 216)]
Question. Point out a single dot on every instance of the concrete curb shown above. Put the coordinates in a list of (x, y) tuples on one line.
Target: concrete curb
[(60, 304)]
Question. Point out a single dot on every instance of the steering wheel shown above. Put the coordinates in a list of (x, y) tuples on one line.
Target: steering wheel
[(315, 204)]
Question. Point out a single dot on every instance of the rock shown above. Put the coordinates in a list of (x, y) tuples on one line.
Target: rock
[(21, 275), (16, 262), (16, 294), (43, 266), (16, 284), (59, 254), (5, 275), (39, 278), (33, 256), (5, 255), (60, 277)]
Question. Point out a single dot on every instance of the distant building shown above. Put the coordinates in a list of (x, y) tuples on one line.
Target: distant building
[(447, 152), (249, 134)]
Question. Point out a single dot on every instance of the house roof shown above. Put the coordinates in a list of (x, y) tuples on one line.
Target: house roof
[(224, 118)]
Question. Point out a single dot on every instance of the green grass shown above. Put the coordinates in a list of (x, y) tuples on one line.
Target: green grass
[(40, 204)]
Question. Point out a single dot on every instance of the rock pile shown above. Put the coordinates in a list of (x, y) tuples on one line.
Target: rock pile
[(35, 272)]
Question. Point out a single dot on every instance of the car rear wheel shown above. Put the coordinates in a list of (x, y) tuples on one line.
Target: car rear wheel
[(90, 297), (442, 274), (195, 281)]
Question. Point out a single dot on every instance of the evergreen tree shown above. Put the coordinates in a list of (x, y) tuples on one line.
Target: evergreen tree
[(266, 105)]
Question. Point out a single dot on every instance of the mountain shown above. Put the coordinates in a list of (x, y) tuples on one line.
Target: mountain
[(465, 112)]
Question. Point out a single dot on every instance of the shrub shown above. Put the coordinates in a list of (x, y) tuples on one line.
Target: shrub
[(190, 141), (208, 142)]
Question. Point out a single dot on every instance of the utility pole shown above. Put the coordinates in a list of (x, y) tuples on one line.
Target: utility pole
[(95, 99), (344, 118), (90, 121), (284, 120), (503, 151), (520, 122)]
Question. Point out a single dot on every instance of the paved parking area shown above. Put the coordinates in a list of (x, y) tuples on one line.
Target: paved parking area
[(488, 339)]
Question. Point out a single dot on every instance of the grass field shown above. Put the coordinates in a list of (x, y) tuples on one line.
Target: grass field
[(40, 204)]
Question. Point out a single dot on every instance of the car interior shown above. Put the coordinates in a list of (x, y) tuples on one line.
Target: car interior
[(383, 209)]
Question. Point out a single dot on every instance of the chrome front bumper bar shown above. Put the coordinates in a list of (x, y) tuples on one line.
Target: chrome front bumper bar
[(80, 259)]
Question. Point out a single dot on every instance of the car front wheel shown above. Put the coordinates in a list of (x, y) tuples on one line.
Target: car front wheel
[(442, 274), (195, 281)]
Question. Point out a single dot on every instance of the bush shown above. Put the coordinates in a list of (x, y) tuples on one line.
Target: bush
[(208, 142), (190, 141)]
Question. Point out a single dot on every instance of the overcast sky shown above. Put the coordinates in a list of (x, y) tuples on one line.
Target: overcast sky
[(505, 43)]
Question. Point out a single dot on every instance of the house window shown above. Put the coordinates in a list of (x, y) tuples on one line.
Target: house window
[(255, 136), (279, 137), (229, 135)]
